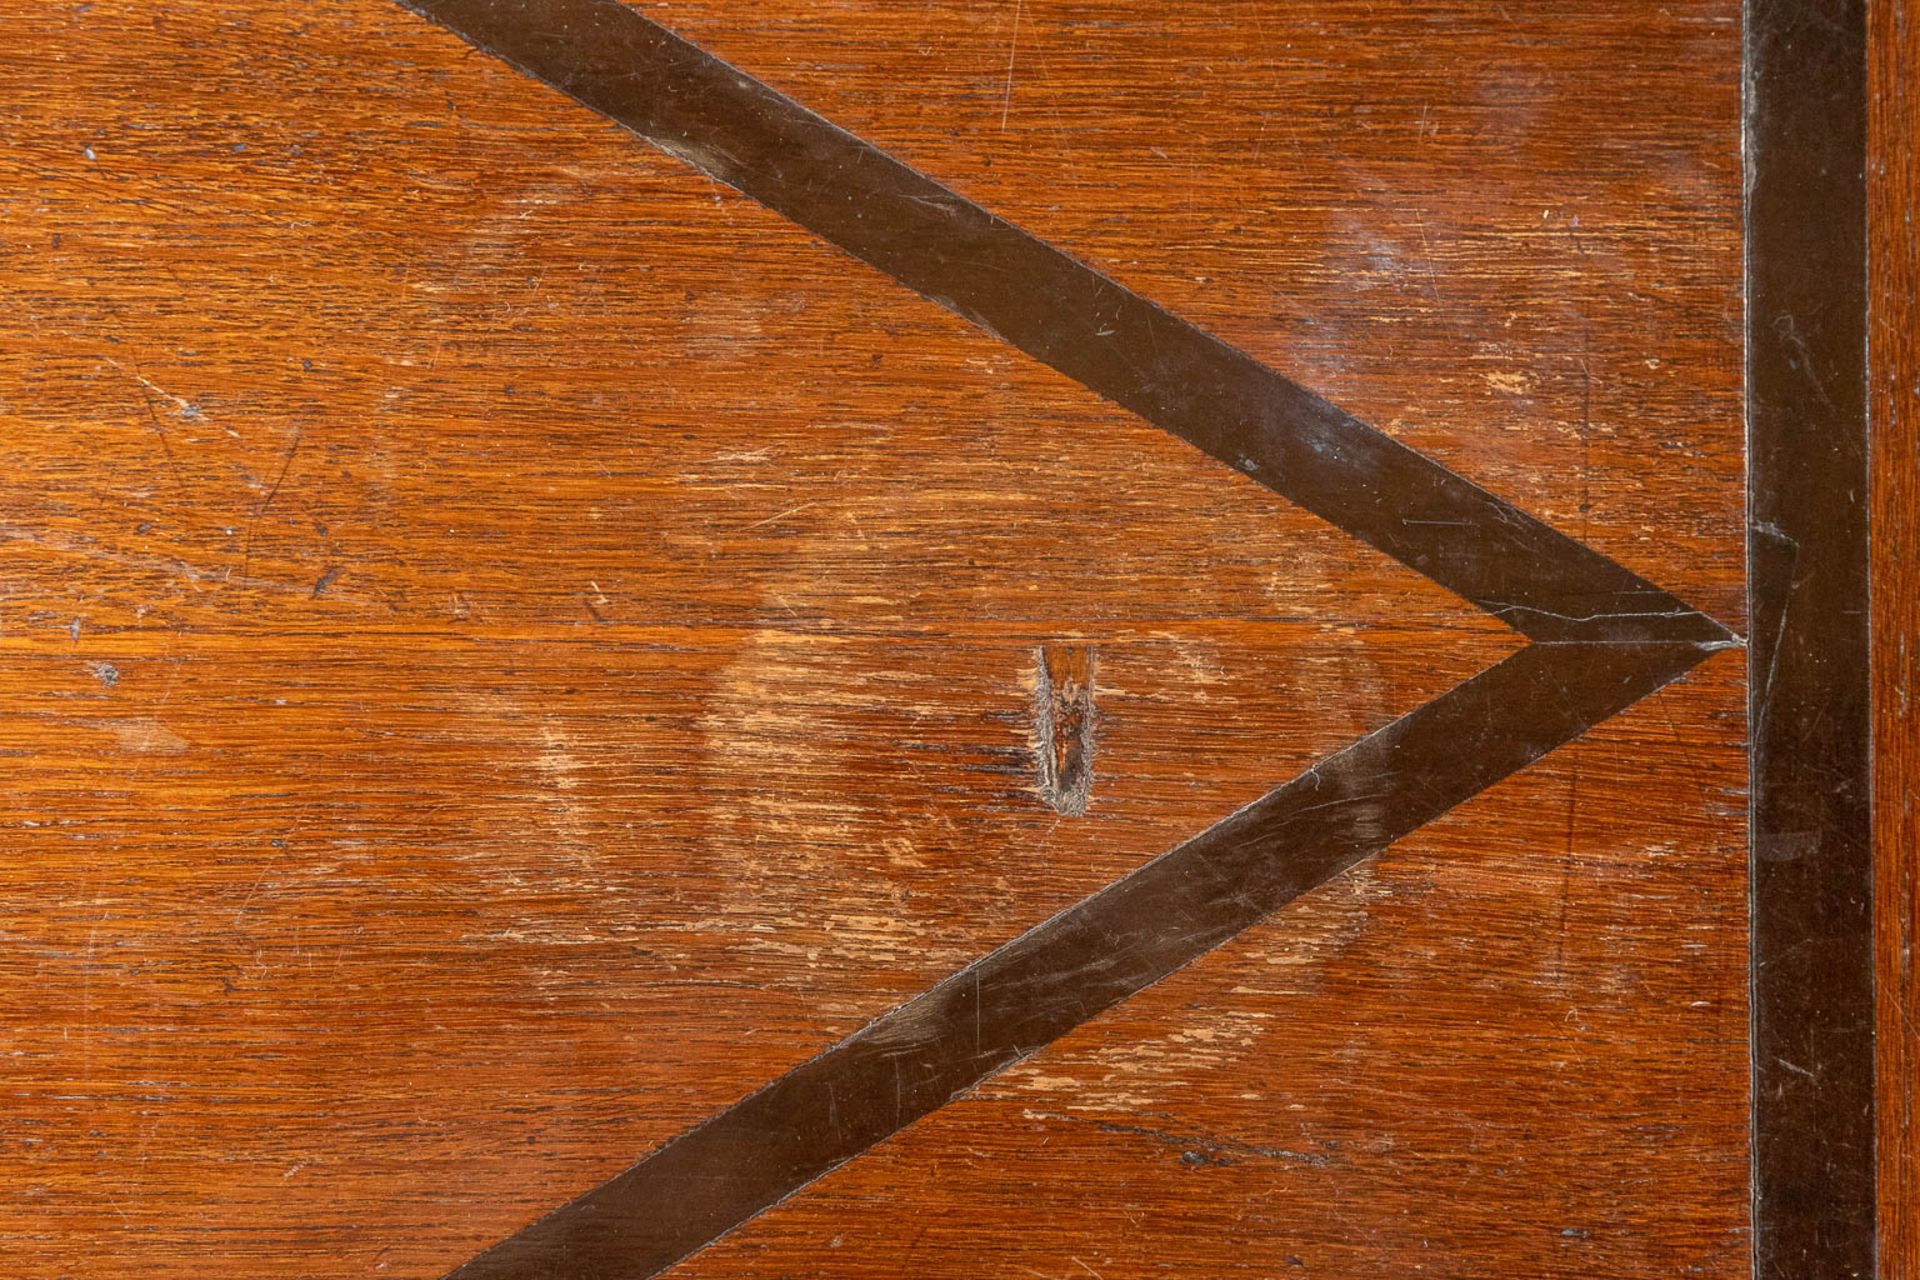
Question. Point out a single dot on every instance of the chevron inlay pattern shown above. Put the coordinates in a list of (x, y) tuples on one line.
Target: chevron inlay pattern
[(1602, 637)]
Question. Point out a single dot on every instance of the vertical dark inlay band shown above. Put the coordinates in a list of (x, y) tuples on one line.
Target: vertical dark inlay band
[(1812, 846)]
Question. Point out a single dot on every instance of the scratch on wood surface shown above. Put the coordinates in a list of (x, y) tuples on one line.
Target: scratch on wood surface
[(1013, 53)]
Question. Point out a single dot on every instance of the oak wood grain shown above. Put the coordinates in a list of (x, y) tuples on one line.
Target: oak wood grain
[(507, 644)]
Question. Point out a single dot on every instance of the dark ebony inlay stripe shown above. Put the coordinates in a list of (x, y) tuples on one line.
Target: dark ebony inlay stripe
[(1056, 976), (1070, 316), (1812, 836)]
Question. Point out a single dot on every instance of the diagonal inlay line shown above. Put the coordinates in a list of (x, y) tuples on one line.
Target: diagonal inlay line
[(1067, 315), (1051, 979), (1605, 637)]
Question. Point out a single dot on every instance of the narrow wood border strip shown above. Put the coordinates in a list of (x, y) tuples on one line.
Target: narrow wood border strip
[(1893, 305), (1809, 717)]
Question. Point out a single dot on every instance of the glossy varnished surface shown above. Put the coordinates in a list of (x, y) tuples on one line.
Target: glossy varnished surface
[(510, 646)]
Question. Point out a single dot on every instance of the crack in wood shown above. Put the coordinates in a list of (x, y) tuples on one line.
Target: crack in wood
[(1064, 725)]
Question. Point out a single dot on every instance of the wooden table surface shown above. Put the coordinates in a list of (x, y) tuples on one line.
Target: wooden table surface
[(509, 643)]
